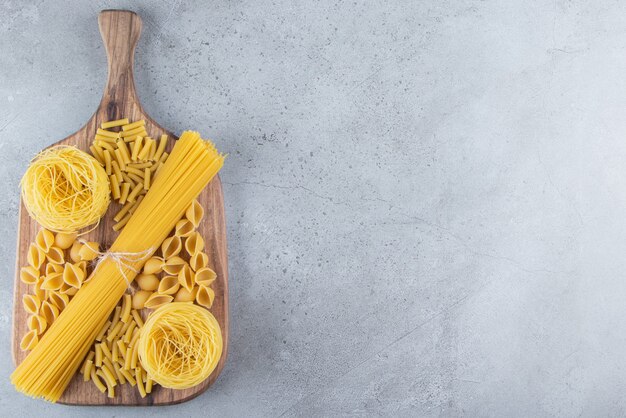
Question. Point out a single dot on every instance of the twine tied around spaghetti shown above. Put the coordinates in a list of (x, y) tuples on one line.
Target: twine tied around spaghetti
[(122, 259)]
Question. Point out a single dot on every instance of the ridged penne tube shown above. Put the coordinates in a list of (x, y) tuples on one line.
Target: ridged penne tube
[(114, 123), (96, 380), (134, 125), (108, 134), (124, 192), (133, 195), (107, 162), (126, 308), (115, 187), (146, 178)]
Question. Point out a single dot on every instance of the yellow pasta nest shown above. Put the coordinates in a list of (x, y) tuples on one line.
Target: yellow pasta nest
[(180, 345), (65, 189)]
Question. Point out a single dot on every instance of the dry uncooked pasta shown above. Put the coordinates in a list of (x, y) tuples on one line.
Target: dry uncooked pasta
[(180, 345), (65, 189)]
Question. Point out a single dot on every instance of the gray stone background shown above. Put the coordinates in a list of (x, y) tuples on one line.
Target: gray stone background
[(425, 200)]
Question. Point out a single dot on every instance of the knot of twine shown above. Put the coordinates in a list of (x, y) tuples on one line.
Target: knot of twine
[(122, 259)]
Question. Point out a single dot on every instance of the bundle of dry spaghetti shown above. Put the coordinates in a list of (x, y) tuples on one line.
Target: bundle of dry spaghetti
[(48, 369), (65, 189), (180, 345)]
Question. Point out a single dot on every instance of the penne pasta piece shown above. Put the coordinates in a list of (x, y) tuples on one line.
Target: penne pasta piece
[(105, 139), (96, 380), (125, 189), (134, 125), (114, 123), (161, 148), (106, 146), (116, 169), (133, 195), (115, 187), (107, 162), (122, 222), (108, 134), (126, 307), (96, 153), (146, 179)]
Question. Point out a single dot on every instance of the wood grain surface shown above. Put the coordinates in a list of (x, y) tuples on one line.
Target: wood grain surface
[(120, 32)]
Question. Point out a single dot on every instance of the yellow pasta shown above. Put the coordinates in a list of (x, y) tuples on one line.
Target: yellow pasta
[(146, 178), (171, 247), (186, 277), (55, 255), (31, 303), (180, 325), (89, 251), (147, 281), (205, 276), (134, 125), (194, 243), (125, 190), (65, 189), (198, 261), (115, 187), (184, 295), (184, 228), (52, 281), (168, 285), (64, 240), (29, 341), (35, 256), (154, 265), (155, 300), (140, 298), (114, 123), (29, 275), (174, 265), (44, 239)]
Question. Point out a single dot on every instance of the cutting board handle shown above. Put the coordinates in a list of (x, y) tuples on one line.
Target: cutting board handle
[(120, 30)]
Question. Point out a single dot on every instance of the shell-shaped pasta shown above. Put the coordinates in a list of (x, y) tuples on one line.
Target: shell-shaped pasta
[(184, 228), (52, 281), (73, 275), (75, 250), (205, 276), (29, 341), (198, 261), (64, 241), (139, 298), (184, 295), (186, 278), (68, 290), (49, 311), (44, 239), (153, 266), (36, 256), (29, 275), (205, 296), (58, 299), (169, 285), (171, 247), (194, 213), (55, 255), (155, 300), (174, 265), (83, 266), (194, 243), (31, 303), (38, 323), (147, 282), (89, 251), (54, 268), (39, 291)]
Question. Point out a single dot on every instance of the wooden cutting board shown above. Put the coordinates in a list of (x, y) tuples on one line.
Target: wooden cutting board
[(120, 30)]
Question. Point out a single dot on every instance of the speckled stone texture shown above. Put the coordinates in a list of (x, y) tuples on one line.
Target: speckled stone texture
[(425, 200)]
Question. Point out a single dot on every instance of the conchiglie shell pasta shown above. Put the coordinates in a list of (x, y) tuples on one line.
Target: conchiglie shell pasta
[(53, 268), (59, 300), (198, 261), (68, 290), (52, 281), (29, 275), (31, 303), (37, 323), (184, 228), (147, 281), (155, 300), (139, 298), (194, 243), (38, 289), (29, 341), (153, 266), (184, 295), (169, 285), (89, 251), (55, 255), (186, 278), (36, 256), (64, 241), (174, 265), (205, 296), (49, 311), (44, 239), (171, 247), (75, 251), (194, 213), (73, 275), (205, 276)]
